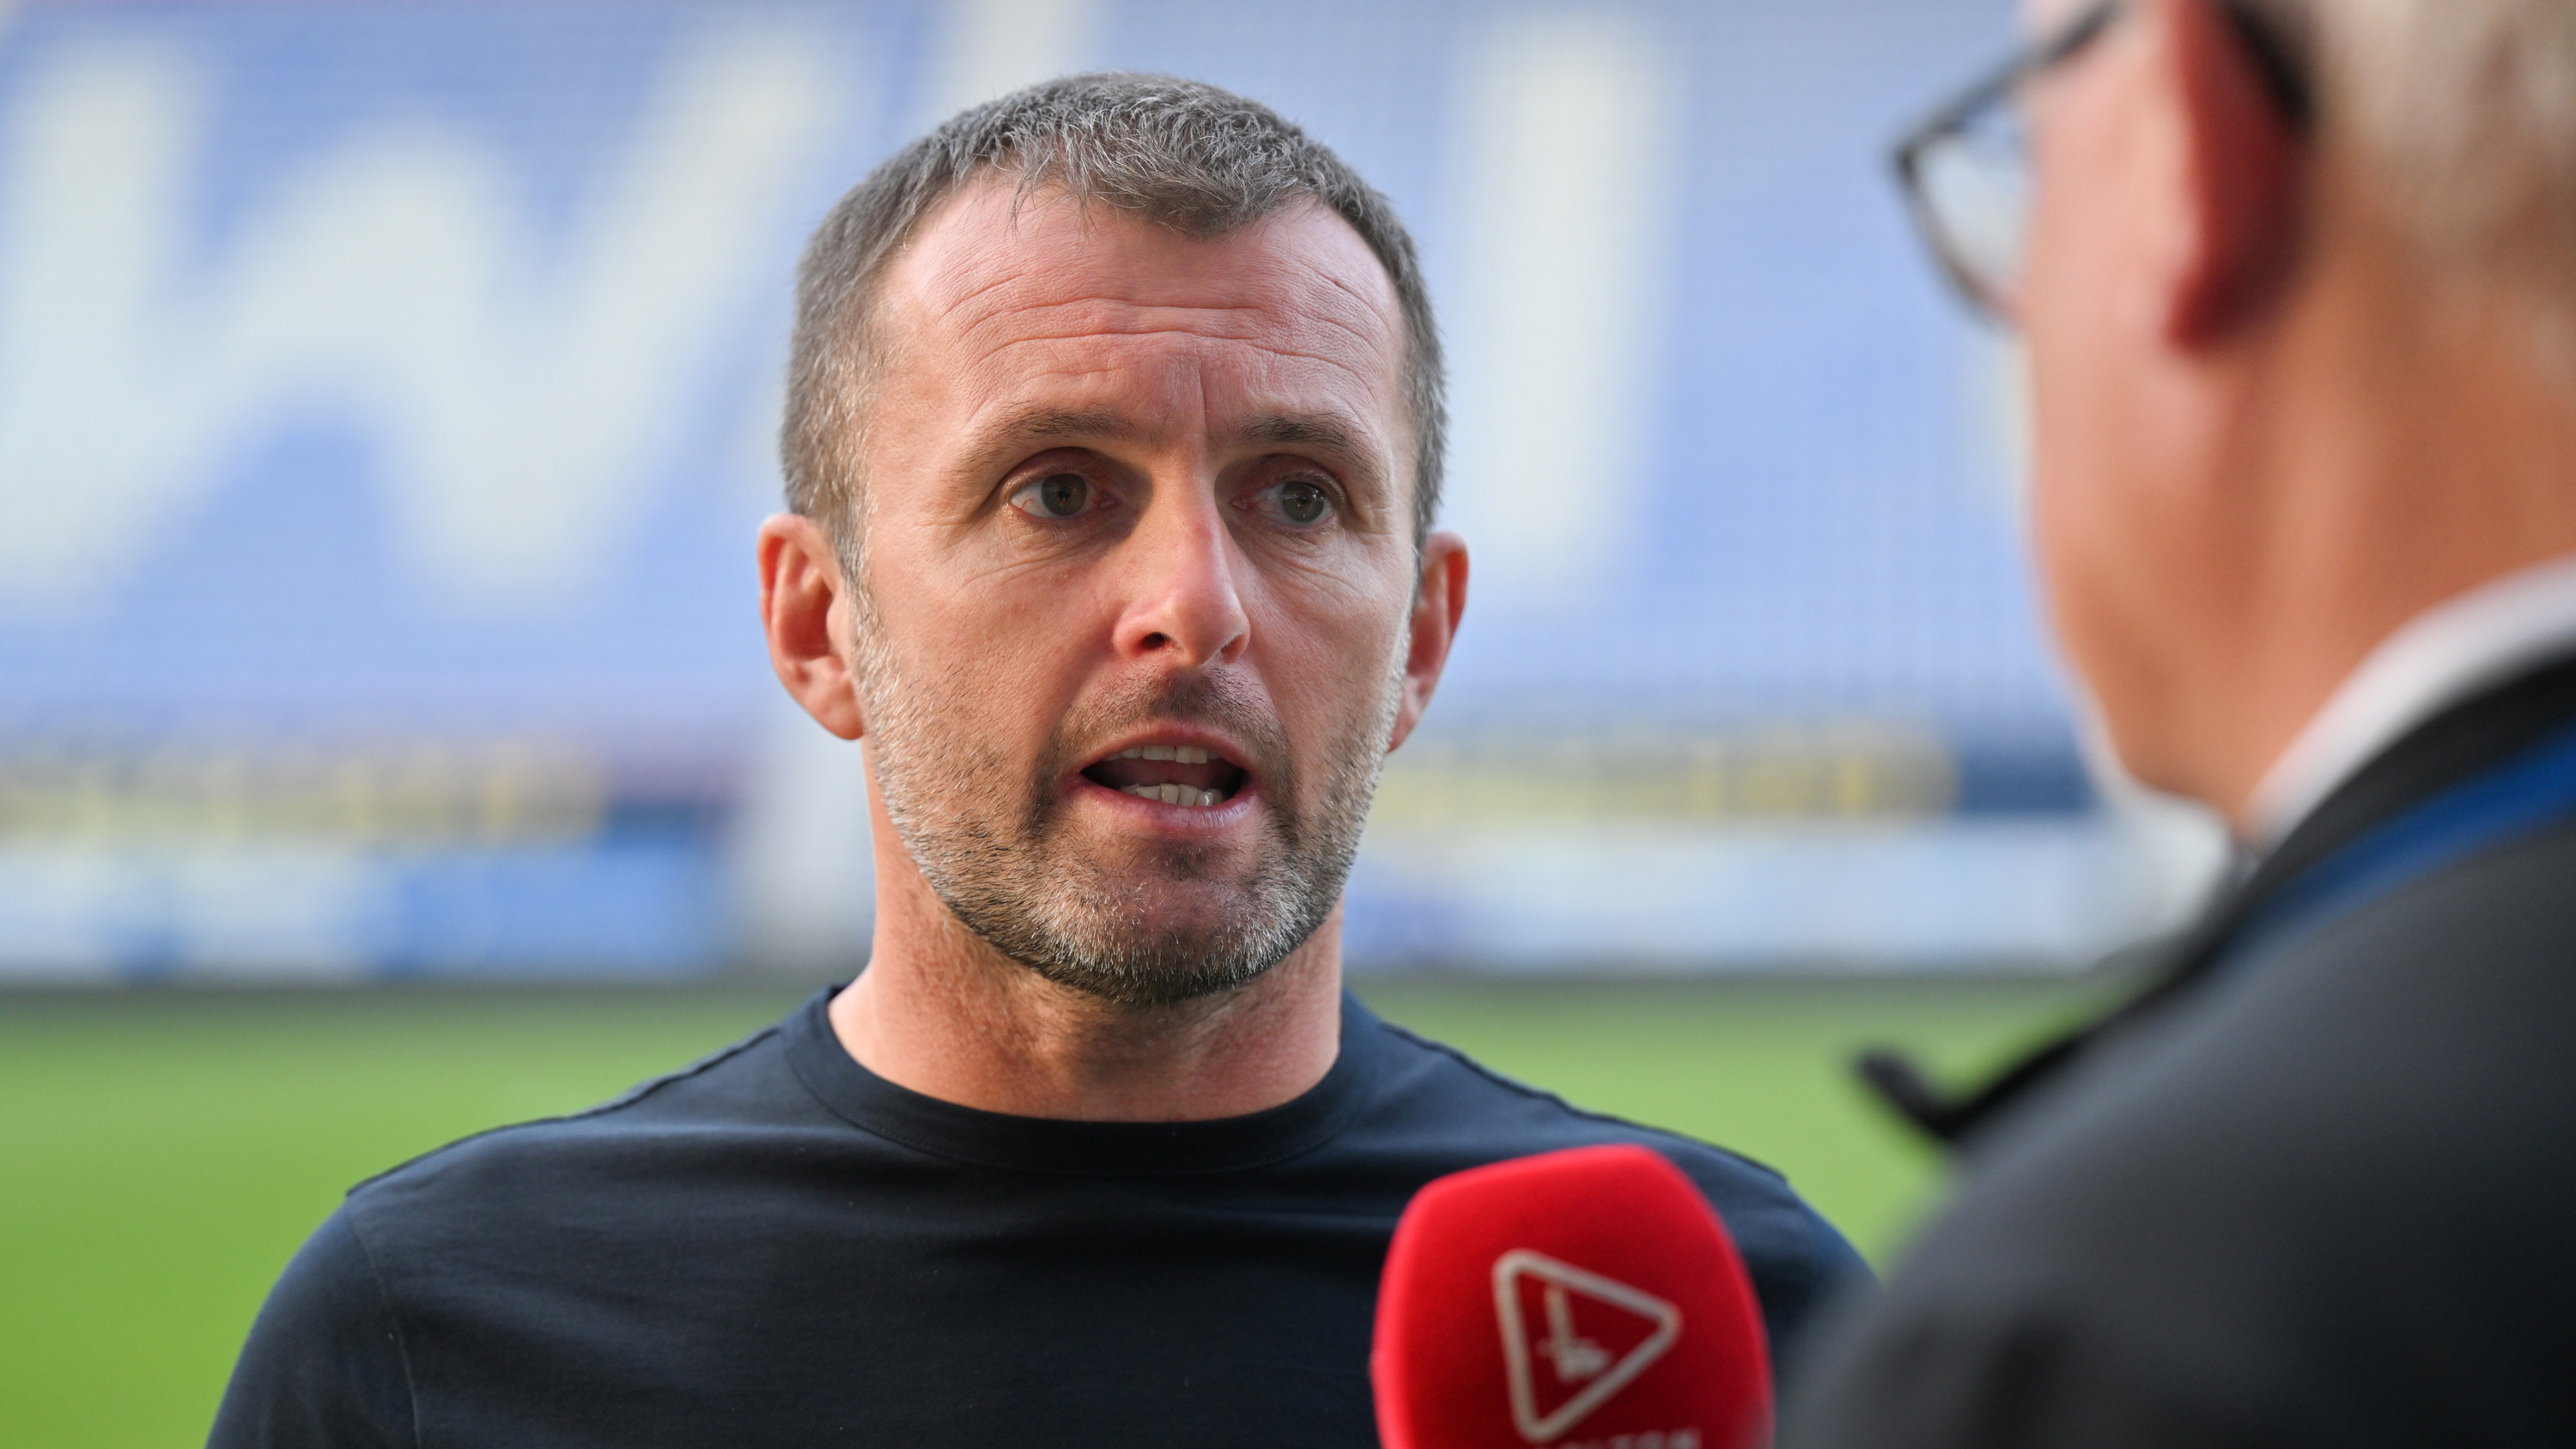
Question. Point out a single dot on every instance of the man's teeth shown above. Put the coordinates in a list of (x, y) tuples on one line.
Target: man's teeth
[(1174, 794), (1189, 795), (1177, 754)]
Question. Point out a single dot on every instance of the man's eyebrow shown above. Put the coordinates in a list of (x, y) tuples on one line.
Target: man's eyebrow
[(1044, 424), (1333, 432)]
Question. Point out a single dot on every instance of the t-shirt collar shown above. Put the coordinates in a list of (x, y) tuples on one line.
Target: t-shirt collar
[(1040, 1144)]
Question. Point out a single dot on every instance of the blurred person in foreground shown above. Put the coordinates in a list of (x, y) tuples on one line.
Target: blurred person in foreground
[(2300, 295), (1113, 444)]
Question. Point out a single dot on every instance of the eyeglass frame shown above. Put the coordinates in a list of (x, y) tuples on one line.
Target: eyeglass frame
[(2271, 53)]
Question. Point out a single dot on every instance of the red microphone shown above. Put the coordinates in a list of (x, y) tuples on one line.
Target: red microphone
[(1586, 1299)]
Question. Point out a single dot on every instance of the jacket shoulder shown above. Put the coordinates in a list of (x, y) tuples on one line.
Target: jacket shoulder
[(2267, 1207)]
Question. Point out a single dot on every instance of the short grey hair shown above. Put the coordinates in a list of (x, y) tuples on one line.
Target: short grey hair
[(1200, 160), (2460, 117)]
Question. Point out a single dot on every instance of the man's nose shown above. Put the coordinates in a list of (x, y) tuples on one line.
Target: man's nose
[(1183, 598)]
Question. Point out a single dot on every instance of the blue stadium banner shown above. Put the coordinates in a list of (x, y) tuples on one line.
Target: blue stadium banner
[(388, 392)]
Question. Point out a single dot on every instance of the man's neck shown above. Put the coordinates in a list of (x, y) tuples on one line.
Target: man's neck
[(2419, 457), (940, 1012), (2456, 649)]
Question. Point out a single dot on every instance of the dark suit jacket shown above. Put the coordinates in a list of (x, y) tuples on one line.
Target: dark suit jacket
[(2318, 1188)]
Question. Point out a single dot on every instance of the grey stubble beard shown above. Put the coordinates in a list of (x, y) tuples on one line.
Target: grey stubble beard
[(1001, 861)]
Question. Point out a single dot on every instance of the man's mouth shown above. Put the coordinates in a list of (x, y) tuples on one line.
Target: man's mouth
[(1173, 774)]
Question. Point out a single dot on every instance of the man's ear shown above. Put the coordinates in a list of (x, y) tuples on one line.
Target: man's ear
[(1439, 597), (2242, 162), (800, 597)]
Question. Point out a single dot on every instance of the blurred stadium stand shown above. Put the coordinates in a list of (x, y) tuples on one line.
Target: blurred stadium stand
[(387, 394)]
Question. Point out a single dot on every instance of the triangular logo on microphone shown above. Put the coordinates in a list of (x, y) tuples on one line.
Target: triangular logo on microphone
[(1572, 1339)]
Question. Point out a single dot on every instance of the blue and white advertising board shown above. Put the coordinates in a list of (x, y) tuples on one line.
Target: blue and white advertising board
[(388, 393)]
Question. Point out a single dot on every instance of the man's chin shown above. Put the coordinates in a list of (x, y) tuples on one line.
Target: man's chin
[(1186, 933), (1203, 909), (1151, 970), (1161, 943), (1158, 868)]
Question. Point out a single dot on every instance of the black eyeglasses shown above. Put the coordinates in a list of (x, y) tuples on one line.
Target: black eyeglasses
[(1966, 169)]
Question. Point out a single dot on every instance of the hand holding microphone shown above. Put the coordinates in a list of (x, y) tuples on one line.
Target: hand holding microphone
[(1586, 1299)]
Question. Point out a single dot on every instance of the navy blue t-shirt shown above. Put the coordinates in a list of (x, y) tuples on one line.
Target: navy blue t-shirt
[(777, 1247)]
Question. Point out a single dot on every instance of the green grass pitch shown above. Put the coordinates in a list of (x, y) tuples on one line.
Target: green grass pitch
[(162, 1153)]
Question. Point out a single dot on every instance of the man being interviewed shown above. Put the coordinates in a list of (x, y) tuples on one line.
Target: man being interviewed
[(1113, 443)]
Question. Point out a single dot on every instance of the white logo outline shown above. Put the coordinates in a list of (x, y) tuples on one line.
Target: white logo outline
[(1540, 1428)]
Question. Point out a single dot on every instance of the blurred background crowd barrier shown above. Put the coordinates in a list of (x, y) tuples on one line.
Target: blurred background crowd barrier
[(388, 393)]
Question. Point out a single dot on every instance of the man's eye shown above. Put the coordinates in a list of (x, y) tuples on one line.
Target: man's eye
[(1057, 495), (1298, 500)]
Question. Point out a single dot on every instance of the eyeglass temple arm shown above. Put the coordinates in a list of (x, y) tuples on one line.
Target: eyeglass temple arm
[(2081, 32)]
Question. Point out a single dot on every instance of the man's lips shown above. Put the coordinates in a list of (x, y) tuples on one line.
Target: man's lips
[(1188, 775)]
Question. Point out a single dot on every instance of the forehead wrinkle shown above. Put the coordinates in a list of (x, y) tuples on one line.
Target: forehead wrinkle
[(1358, 333), (1076, 293), (1309, 298), (1375, 301), (1290, 296), (1108, 317), (1338, 364), (1281, 311), (951, 308)]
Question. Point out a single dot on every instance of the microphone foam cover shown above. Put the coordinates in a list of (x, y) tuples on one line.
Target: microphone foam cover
[(1578, 1298)]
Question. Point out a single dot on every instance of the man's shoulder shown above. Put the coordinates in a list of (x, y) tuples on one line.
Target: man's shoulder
[(2366, 1112), (2495, 924), (2384, 1087), (725, 1102), (1436, 1088), (2417, 1028)]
